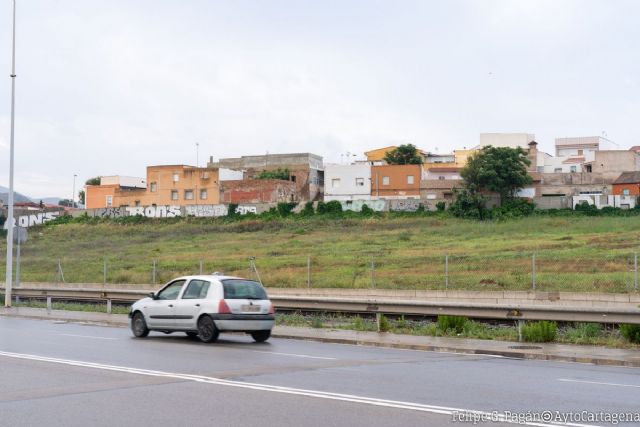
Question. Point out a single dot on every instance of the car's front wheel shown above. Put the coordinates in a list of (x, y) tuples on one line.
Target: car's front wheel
[(139, 325), (207, 330), (261, 336)]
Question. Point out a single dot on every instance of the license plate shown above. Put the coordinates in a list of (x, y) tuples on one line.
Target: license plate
[(250, 308)]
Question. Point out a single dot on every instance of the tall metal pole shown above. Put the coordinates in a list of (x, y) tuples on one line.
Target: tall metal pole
[(9, 268), (73, 193)]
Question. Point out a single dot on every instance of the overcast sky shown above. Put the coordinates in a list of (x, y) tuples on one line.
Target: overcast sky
[(109, 87)]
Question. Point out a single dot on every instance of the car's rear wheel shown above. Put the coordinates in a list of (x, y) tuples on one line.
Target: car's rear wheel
[(207, 330), (192, 334), (139, 325), (261, 336)]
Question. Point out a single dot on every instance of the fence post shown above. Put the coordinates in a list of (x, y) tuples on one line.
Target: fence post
[(635, 271), (309, 271), (104, 273), (533, 271), (373, 274), (153, 272), (109, 306), (446, 272), (520, 323), (49, 304)]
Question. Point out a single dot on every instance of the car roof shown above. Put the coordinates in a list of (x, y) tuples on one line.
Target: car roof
[(210, 277)]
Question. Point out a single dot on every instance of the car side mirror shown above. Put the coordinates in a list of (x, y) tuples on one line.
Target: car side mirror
[(153, 295)]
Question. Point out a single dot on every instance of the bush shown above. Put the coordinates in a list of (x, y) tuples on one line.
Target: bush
[(333, 207), (367, 211), (440, 206), (275, 174), (308, 209), (513, 208), (453, 323), (468, 204), (383, 324), (284, 209), (631, 333), (586, 209), (543, 331), (231, 210)]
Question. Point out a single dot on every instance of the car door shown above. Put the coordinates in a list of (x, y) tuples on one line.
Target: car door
[(161, 311), (188, 307)]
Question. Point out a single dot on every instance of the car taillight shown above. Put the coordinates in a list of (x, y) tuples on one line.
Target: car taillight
[(272, 310), (223, 308)]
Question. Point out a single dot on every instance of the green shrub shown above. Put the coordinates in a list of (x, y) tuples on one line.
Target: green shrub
[(543, 331), (366, 211), (231, 210), (284, 209), (453, 323), (468, 204), (586, 209), (630, 332), (440, 206), (308, 209), (383, 324), (333, 207), (316, 322), (275, 174), (513, 208)]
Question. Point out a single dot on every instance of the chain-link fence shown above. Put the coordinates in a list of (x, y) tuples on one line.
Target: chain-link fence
[(588, 272)]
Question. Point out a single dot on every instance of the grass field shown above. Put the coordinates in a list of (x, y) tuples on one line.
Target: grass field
[(572, 253)]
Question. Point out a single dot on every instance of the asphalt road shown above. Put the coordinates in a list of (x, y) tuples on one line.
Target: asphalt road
[(63, 374)]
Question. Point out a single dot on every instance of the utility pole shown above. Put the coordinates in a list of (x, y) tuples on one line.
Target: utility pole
[(73, 193), (9, 267)]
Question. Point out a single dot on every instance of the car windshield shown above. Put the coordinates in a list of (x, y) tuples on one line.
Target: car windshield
[(243, 289)]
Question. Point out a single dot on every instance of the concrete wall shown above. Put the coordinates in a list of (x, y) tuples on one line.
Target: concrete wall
[(624, 202), (347, 182)]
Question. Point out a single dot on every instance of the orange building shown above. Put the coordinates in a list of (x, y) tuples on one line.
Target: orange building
[(395, 181), (165, 185), (627, 184)]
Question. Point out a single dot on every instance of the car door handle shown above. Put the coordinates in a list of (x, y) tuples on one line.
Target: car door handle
[(170, 305), (197, 305)]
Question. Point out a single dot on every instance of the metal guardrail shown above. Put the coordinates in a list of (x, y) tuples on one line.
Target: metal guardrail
[(372, 306)]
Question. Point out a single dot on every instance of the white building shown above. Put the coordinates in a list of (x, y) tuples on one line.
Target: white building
[(511, 140), (124, 181), (347, 182)]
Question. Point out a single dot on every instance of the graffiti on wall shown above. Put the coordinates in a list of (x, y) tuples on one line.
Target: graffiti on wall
[(30, 220), (155, 211), (356, 205), (244, 209), (409, 205), (206, 210), (602, 201)]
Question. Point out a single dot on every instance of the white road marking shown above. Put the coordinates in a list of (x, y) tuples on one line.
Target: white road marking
[(277, 389), (295, 355), (88, 336), (566, 380)]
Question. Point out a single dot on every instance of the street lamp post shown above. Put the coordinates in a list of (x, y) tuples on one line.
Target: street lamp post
[(9, 267), (73, 194)]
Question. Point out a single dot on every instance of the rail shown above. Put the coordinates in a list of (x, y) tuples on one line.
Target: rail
[(368, 305)]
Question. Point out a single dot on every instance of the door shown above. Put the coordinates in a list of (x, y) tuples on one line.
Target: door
[(161, 311), (188, 307)]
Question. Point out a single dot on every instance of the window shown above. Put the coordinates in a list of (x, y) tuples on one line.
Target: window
[(188, 194), (176, 177), (137, 203), (625, 192), (580, 152), (203, 194), (109, 201), (574, 168), (335, 182), (557, 170), (409, 179), (171, 291), (441, 178), (359, 182), (385, 180), (197, 289), (153, 187), (243, 289), (174, 194)]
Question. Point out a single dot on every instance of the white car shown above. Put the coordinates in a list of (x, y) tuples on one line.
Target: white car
[(204, 306)]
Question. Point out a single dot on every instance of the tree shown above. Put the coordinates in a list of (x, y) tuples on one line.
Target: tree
[(93, 181), (65, 202), (81, 197), (404, 155), (501, 170)]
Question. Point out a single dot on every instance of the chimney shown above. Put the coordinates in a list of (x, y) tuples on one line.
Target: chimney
[(532, 155)]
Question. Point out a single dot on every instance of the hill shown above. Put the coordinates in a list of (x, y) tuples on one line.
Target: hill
[(578, 253)]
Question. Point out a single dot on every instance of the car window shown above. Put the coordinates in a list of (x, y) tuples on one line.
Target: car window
[(196, 289), (243, 289), (171, 291)]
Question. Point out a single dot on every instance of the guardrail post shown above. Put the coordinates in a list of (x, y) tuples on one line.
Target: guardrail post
[(108, 306), (520, 323), (635, 271), (446, 272), (49, 304), (533, 272), (17, 299), (378, 320), (308, 271)]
